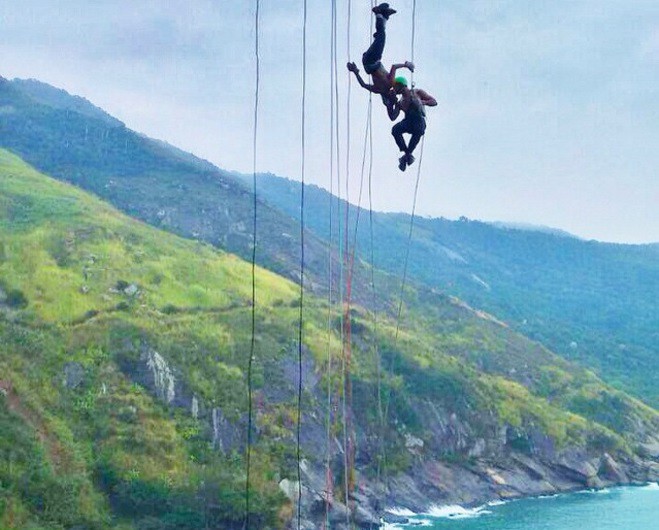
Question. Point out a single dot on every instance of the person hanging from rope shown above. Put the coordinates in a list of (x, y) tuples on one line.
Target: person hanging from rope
[(412, 102), (383, 81)]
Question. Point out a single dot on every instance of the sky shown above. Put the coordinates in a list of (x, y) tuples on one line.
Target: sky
[(548, 110)]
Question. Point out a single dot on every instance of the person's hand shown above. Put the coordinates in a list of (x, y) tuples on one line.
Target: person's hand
[(353, 68), (409, 65)]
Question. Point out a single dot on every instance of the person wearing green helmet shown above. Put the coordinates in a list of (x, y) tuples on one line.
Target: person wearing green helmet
[(412, 102), (382, 80)]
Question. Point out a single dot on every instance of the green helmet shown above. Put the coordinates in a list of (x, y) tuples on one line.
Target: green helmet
[(400, 81)]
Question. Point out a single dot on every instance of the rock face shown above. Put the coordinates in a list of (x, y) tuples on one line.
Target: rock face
[(163, 377), (226, 435), (465, 458), (74, 375)]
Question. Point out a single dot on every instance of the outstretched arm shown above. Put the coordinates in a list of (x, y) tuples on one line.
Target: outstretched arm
[(353, 68), (426, 98), (394, 67)]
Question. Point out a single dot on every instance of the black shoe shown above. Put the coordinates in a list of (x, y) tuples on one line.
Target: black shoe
[(402, 162), (409, 159), (384, 10)]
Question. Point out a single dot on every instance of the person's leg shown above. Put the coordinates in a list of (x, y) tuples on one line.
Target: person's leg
[(417, 130), (374, 53), (414, 141), (397, 132)]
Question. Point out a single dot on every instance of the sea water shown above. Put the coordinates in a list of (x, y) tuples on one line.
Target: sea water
[(625, 508)]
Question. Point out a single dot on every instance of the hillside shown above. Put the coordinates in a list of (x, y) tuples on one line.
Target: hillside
[(72, 140), (594, 303), (123, 398), (591, 302)]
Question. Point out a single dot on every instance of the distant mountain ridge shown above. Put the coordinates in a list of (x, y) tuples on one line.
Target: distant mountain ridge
[(123, 369), (533, 228), (591, 302), (123, 388), (58, 98)]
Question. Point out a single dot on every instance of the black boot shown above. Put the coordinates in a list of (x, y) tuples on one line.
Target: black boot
[(402, 162), (384, 10)]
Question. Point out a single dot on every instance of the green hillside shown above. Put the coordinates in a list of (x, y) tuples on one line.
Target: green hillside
[(594, 303), (591, 302), (72, 140), (122, 377)]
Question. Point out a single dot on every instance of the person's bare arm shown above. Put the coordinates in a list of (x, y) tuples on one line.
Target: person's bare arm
[(397, 66), (353, 68), (426, 98), (393, 110)]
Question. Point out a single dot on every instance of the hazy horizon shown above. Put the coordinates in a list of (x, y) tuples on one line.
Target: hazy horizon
[(548, 113)]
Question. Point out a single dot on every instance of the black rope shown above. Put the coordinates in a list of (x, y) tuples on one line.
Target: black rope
[(328, 472), (409, 240), (346, 319), (301, 319), (373, 290), (248, 457)]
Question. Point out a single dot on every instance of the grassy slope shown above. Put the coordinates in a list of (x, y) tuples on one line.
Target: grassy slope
[(71, 140), (107, 453), (592, 302)]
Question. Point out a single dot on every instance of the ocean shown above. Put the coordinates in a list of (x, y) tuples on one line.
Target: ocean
[(624, 508)]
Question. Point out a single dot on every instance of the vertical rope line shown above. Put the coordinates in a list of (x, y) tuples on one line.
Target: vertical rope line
[(373, 290), (347, 435), (250, 362), (328, 457), (404, 281), (329, 487), (301, 316), (339, 204), (409, 238), (413, 39)]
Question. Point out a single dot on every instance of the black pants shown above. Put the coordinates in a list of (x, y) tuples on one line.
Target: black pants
[(411, 124), (372, 57)]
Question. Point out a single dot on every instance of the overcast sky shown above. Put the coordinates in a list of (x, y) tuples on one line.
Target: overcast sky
[(548, 110)]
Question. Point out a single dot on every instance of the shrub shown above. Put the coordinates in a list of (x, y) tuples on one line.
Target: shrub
[(16, 299)]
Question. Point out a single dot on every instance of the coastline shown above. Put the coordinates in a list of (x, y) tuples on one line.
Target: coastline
[(403, 518)]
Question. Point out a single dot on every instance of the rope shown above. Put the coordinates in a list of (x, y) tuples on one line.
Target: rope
[(328, 470), (413, 40), (374, 292), (301, 316), (348, 432), (248, 457), (409, 241)]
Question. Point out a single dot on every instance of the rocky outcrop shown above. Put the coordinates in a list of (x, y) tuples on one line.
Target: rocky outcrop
[(463, 456), (163, 378)]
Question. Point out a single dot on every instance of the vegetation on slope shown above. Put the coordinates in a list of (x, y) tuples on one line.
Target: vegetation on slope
[(88, 298), (594, 303)]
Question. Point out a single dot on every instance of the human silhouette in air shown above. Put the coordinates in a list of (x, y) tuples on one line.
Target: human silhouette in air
[(412, 102), (382, 80)]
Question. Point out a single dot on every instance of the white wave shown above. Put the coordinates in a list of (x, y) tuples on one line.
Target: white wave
[(652, 486), (497, 503), (412, 522), (401, 512), (543, 497), (456, 512), (593, 491)]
